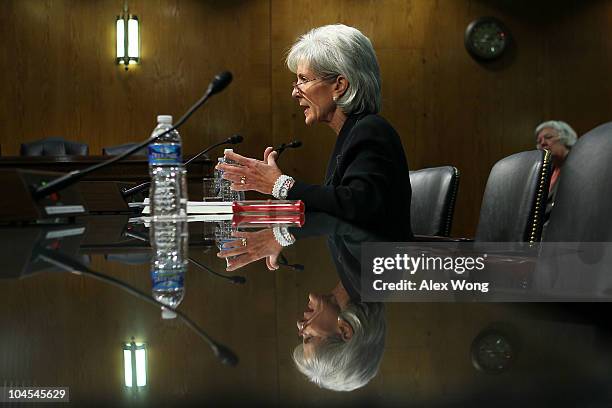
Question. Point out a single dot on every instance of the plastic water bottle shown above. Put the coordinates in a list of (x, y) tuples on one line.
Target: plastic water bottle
[(168, 193), (169, 240), (225, 191)]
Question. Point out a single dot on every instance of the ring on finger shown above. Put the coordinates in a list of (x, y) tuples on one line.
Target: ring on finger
[(243, 241), (242, 180)]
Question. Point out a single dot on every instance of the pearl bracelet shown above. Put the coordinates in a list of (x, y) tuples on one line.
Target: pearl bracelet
[(283, 236), (281, 186)]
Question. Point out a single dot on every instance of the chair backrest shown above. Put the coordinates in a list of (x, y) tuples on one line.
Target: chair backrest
[(54, 146), (434, 191), (583, 204), (116, 150), (515, 198)]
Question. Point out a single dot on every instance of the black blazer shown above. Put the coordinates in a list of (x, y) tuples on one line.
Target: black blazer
[(367, 180)]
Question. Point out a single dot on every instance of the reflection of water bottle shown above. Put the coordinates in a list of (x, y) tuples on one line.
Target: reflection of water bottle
[(168, 193), (225, 191), (169, 240)]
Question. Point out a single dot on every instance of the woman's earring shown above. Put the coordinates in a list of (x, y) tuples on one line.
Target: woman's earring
[(335, 98)]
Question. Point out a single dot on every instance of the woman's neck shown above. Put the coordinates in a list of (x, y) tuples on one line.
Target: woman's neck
[(558, 161), (341, 295), (337, 121)]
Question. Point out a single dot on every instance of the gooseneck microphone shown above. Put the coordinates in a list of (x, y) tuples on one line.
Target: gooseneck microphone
[(236, 139), (224, 354), (218, 83), (291, 145)]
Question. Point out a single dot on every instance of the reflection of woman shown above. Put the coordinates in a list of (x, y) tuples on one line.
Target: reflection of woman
[(338, 83), (343, 337), (343, 342)]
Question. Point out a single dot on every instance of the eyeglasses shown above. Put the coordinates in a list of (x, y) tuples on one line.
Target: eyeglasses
[(305, 81)]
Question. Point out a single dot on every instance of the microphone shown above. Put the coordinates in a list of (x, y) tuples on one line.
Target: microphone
[(235, 139), (224, 354), (218, 83), (291, 145)]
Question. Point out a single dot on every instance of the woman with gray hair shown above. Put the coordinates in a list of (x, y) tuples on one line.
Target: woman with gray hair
[(338, 83), (558, 137)]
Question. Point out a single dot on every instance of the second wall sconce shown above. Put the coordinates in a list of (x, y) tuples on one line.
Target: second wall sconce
[(128, 38)]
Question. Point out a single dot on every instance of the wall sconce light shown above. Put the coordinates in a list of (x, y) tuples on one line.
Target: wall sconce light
[(135, 364), (128, 38)]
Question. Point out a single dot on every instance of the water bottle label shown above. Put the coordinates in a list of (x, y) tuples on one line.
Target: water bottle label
[(165, 154), (165, 280)]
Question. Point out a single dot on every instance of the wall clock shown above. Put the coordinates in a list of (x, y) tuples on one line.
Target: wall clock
[(486, 38), (492, 352)]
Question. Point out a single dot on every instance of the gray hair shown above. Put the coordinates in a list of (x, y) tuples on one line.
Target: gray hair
[(567, 135), (341, 50), (345, 366)]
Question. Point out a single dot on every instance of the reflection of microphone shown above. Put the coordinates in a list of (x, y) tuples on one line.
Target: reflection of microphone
[(283, 262), (291, 145), (239, 280), (236, 139), (225, 355), (218, 83)]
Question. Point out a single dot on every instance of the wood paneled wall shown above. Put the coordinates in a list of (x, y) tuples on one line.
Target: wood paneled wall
[(59, 77)]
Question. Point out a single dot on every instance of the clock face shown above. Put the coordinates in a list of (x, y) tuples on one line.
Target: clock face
[(486, 38), (492, 352)]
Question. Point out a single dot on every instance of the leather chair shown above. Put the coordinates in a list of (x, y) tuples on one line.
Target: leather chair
[(434, 191), (515, 198), (583, 204), (116, 150), (54, 146), (575, 257)]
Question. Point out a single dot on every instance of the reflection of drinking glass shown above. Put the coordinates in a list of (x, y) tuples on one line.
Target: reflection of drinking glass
[(211, 189), (224, 232)]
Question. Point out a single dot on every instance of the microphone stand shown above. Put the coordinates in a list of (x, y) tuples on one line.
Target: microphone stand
[(224, 354), (220, 82)]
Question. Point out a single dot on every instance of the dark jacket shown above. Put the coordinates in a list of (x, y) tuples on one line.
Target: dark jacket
[(367, 181)]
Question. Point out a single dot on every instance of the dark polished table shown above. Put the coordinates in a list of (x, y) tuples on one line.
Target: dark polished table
[(66, 329)]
